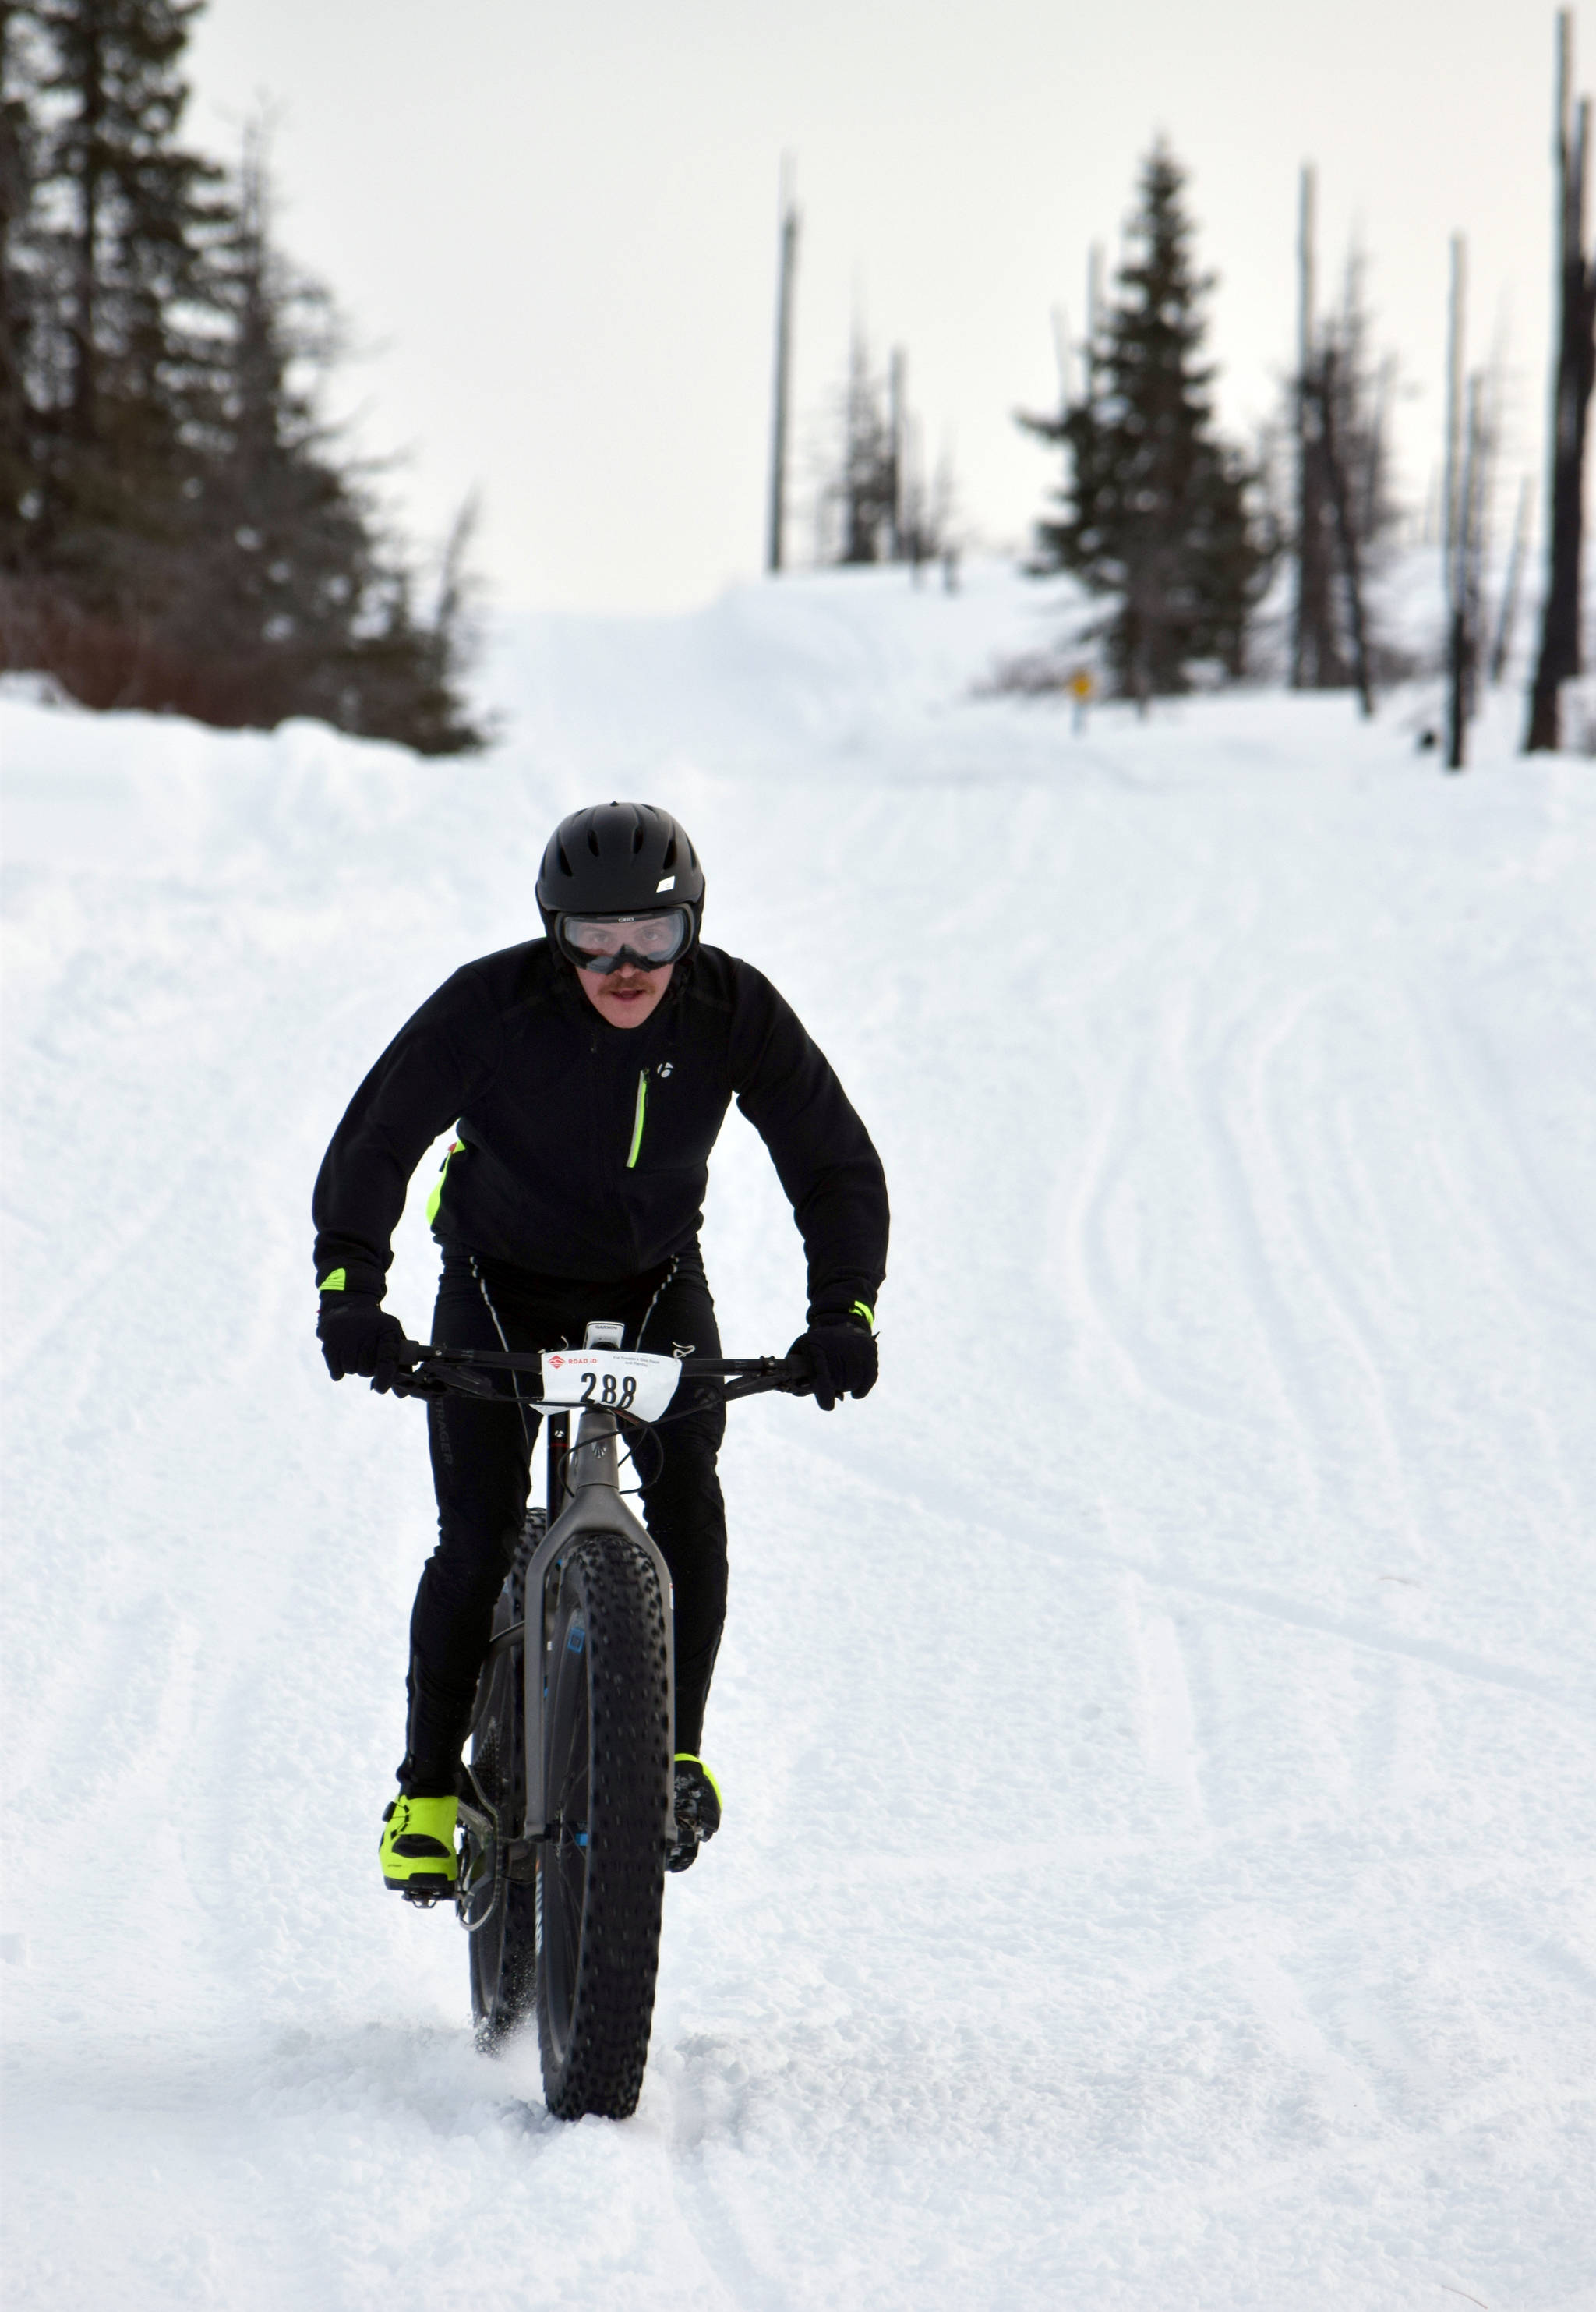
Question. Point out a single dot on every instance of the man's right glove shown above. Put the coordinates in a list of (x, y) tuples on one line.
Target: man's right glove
[(839, 1355), (359, 1337)]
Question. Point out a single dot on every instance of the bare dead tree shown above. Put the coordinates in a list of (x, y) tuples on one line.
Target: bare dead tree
[(1573, 373), (1316, 662), (874, 504), (867, 482), (1453, 550), (787, 268), (1481, 450), (897, 419), (1339, 417), (1325, 388), (1473, 434), (1507, 614)]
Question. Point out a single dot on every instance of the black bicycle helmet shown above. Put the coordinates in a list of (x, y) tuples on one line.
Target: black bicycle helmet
[(619, 859)]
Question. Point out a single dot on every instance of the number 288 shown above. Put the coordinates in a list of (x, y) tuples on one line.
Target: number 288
[(620, 1396)]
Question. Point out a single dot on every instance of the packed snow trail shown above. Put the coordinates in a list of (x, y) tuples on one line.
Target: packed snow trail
[(1159, 1726)]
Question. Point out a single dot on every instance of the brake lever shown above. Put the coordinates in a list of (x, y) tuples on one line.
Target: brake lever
[(417, 1384)]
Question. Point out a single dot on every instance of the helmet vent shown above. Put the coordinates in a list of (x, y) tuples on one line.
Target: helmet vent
[(565, 867), (593, 839), (637, 838), (670, 852)]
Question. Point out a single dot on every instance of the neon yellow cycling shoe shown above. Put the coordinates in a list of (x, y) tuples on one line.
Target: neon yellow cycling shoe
[(698, 1810), (418, 1848)]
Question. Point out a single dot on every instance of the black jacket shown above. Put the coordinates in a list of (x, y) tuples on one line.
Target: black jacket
[(584, 1149)]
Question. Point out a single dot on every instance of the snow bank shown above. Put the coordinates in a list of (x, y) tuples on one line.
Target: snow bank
[(1158, 1727)]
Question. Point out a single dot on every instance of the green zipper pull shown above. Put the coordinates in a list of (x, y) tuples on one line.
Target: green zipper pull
[(436, 1198), (637, 1126)]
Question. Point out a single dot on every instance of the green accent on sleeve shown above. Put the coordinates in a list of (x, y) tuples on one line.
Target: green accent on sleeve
[(436, 1198), (637, 1126), (863, 1309), (333, 1281)]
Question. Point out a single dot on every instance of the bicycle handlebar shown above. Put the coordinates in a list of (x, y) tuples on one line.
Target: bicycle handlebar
[(429, 1371)]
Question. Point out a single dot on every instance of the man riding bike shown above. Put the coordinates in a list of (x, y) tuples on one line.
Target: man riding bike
[(587, 1075)]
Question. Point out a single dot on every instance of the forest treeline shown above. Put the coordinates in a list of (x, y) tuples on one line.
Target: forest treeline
[(179, 528), (1179, 532)]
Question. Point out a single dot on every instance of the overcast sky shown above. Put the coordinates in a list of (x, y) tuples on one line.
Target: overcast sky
[(553, 230)]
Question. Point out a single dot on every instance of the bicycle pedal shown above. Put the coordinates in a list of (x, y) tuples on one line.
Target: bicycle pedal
[(427, 1897)]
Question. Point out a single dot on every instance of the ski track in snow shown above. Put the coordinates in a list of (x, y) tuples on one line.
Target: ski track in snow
[(1157, 1727)]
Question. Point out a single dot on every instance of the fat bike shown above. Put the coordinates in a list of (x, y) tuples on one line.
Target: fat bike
[(570, 1819)]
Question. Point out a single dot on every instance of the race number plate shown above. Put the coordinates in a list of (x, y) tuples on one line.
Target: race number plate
[(611, 1381)]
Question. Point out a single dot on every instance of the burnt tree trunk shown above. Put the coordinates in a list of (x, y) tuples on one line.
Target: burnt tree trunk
[(787, 268), (1501, 648), (1315, 658), (1345, 530), (1574, 372), (1455, 546)]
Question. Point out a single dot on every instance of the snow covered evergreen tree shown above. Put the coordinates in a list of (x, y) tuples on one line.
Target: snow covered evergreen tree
[(1155, 511)]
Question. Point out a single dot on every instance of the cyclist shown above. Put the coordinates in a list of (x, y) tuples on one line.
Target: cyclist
[(587, 1075)]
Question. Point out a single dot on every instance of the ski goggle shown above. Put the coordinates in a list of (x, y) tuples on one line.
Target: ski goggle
[(605, 942)]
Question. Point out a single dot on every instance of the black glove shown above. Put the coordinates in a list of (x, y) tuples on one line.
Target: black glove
[(839, 1353), (358, 1335)]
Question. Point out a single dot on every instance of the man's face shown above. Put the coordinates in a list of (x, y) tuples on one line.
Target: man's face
[(625, 997)]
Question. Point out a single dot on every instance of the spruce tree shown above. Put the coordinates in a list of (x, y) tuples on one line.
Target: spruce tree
[(16, 168), (1155, 511), (294, 600), (177, 528), (109, 264)]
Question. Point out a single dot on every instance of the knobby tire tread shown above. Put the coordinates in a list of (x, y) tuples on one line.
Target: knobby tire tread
[(612, 1582)]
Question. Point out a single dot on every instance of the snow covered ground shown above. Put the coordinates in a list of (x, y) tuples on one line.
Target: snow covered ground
[(1158, 1728)]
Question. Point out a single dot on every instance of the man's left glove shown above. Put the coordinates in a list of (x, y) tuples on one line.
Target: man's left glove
[(358, 1335), (839, 1355)]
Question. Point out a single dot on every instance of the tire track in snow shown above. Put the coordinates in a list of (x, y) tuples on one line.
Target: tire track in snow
[(1385, 1771), (1480, 1081), (1169, 1729), (741, 2282), (1443, 1249), (1346, 2087), (1478, 1668), (1113, 1267), (1206, 1073), (1096, 1253), (1341, 1297)]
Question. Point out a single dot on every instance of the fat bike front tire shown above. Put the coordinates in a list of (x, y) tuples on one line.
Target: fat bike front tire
[(504, 1945), (606, 1796)]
